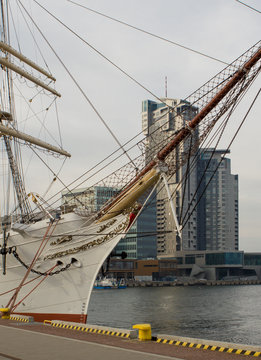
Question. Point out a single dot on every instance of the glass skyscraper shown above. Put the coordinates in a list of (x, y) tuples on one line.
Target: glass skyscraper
[(160, 121), (141, 241), (217, 215)]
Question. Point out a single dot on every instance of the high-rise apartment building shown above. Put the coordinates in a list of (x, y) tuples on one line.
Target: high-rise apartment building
[(213, 223), (218, 207), (160, 121)]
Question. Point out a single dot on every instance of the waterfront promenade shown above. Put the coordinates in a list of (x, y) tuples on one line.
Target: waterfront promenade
[(26, 341)]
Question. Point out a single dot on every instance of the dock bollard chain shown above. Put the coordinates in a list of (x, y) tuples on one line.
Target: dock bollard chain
[(66, 267)]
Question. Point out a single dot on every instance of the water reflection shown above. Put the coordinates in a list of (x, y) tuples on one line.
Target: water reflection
[(228, 313)]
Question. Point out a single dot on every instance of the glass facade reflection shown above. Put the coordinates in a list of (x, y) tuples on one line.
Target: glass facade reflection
[(225, 258), (217, 215), (252, 259), (141, 241)]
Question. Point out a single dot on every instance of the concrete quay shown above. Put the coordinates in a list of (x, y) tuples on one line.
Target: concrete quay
[(22, 340), (191, 282)]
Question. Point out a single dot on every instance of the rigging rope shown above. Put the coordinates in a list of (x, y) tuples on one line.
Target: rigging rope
[(43, 243), (216, 85), (222, 129), (73, 78), (33, 37), (209, 90), (105, 159), (148, 33), (28, 282), (236, 99), (14, 26), (193, 165), (222, 157), (252, 8), (35, 115), (56, 176), (36, 286), (40, 273), (99, 53), (210, 87), (186, 178)]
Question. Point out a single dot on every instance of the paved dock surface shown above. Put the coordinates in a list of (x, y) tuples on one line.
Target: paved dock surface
[(25, 341), (30, 345)]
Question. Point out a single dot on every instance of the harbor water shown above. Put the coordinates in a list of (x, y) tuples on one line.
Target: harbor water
[(222, 313)]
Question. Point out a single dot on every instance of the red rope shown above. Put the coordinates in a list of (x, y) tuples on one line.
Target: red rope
[(48, 272), (36, 256), (28, 282), (46, 242)]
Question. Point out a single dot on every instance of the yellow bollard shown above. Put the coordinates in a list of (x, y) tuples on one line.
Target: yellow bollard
[(144, 331), (5, 313)]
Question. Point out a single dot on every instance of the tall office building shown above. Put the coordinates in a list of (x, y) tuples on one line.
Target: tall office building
[(159, 123), (218, 207), (88, 198), (141, 241)]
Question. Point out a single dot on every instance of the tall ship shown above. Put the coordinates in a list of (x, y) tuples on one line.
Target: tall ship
[(52, 251)]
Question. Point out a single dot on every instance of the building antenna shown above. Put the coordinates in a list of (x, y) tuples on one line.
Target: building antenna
[(166, 87)]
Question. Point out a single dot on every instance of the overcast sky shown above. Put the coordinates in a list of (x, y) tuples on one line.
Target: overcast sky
[(222, 29)]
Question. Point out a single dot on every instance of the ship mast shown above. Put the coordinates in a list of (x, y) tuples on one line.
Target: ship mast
[(22, 199), (8, 124)]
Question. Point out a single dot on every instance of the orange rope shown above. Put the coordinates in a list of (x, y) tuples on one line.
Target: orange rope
[(46, 242), (47, 274), (6, 292), (36, 256)]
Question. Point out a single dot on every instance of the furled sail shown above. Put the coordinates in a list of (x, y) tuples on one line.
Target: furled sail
[(4, 130)]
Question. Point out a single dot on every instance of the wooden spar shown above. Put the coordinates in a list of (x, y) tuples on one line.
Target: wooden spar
[(184, 132), (5, 116), (210, 106), (28, 76), (23, 58), (4, 130)]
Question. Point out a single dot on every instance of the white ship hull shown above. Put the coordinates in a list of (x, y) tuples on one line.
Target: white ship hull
[(66, 295)]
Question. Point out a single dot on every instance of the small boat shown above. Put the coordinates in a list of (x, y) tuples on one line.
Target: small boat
[(122, 284), (109, 283), (105, 283)]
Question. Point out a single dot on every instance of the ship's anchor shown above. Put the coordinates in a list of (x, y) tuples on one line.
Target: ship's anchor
[(4, 250)]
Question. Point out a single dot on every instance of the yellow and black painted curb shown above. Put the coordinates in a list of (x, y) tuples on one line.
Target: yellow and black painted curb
[(210, 347), (18, 319), (91, 330), (23, 319)]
